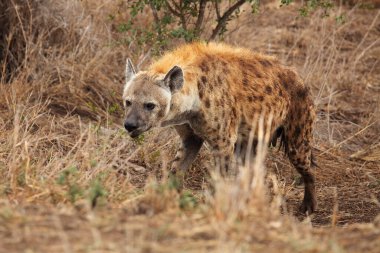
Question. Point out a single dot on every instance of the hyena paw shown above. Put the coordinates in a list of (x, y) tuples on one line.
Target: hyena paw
[(308, 206)]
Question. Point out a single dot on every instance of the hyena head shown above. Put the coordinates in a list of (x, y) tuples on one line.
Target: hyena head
[(147, 97)]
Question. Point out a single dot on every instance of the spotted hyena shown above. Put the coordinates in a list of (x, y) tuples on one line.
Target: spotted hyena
[(211, 93)]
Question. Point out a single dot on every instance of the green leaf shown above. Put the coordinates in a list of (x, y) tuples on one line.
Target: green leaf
[(341, 19), (187, 200), (96, 192), (285, 2)]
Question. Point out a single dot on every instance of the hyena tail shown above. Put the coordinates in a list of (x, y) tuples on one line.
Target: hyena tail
[(280, 134)]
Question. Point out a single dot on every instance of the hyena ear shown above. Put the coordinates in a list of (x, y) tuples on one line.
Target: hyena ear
[(129, 70), (174, 79)]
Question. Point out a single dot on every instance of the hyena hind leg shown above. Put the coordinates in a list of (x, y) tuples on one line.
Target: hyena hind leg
[(191, 144), (299, 153)]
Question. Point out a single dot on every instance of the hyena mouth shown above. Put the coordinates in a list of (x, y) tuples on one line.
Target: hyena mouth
[(136, 133)]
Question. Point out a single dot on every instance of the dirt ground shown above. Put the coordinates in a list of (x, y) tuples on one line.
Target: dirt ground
[(55, 157)]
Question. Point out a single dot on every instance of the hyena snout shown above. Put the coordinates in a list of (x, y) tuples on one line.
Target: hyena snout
[(135, 126), (130, 126), (132, 122)]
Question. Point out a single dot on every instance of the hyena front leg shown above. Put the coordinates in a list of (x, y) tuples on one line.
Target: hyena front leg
[(191, 144)]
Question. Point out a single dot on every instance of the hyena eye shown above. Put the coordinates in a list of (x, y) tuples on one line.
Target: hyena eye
[(149, 106), (128, 103)]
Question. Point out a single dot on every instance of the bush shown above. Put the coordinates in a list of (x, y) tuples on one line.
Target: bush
[(189, 20)]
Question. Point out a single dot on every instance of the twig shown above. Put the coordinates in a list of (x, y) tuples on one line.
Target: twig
[(223, 20), (366, 35), (172, 10), (155, 14), (16, 8), (217, 10), (349, 138), (364, 51), (182, 17)]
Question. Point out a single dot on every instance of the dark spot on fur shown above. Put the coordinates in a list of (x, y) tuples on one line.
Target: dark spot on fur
[(260, 98), (234, 113), (200, 89), (242, 64), (258, 74), (207, 103), (255, 72), (225, 69), (204, 79), (283, 79), (250, 99), (265, 63), (268, 89), (302, 92), (219, 79), (245, 78), (292, 153), (204, 67), (250, 68), (245, 81), (280, 92), (161, 113)]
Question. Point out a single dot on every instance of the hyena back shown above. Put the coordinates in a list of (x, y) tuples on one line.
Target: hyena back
[(212, 93)]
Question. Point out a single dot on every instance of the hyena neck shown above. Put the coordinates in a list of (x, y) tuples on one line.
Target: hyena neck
[(183, 108)]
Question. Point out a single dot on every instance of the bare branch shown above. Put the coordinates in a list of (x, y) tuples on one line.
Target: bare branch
[(176, 6), (173, 9), (183, 17), (217, 10), (223, 20), (201, 14), (177, 11), (155, 14)]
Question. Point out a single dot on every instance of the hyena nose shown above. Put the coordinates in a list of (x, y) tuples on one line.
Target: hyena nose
[(130, 126)]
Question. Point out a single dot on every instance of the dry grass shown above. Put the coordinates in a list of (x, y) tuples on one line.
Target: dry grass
[(72, 181)]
